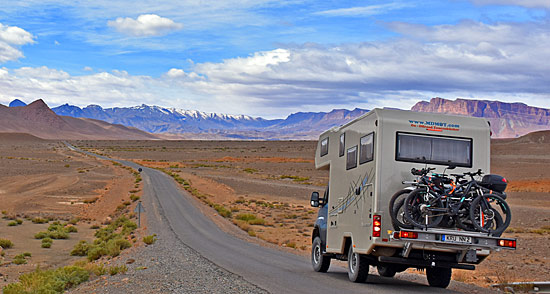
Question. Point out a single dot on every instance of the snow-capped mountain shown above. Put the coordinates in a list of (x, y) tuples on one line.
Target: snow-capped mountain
[(156, 119)]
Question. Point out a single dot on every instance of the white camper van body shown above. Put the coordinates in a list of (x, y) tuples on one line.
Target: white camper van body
[(371, 156)]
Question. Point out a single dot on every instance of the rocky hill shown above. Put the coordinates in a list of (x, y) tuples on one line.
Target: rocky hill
[(508, 120), (39, 120)]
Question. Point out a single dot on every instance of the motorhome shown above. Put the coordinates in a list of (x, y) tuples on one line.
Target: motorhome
[(368, 160)]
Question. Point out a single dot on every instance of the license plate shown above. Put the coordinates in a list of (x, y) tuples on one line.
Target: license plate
[(456, 239)]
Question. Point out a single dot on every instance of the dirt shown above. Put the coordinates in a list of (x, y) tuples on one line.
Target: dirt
[(40, 178), (271, 180)]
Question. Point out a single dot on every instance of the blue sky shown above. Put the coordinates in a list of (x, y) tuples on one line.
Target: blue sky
[(271, 58)]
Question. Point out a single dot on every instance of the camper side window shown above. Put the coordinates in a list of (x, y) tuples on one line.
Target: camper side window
[(351, 159), (342, 144), (434, 149), (324, 147), (366, 151)]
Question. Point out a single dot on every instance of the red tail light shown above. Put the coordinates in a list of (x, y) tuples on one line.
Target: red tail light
[(376, 226), (507, 243), (408, 235)]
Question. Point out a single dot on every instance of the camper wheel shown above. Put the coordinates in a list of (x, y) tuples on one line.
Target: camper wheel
[(439, 277), (358, 266), (320, 262)]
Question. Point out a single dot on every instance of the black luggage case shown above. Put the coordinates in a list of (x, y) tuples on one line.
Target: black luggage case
[(494, 182)]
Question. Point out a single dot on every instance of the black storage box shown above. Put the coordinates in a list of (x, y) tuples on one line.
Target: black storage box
[(494, 182)]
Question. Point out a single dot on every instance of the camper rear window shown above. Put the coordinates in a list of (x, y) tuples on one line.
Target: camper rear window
[(342, 144), (324, 147), (434, 149), (366, 151), (351, 159)]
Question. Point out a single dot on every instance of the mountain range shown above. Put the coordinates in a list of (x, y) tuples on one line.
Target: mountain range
[(508, 120), (191, 124), (39, 120), (155, 122)]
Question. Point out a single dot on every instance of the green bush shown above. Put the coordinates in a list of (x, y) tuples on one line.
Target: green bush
[(48, 281), (19, 259), (71, 229), (5, 243), (245, 216), (96, 252), (134, 197), (19, 221), (12, 224), (222, 210), (41, 235), (114, 246), (39, 220), (257, 221), (150, 239), (81, 249), (117, 269), (46, 244)]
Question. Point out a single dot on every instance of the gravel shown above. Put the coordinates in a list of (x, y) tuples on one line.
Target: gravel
[(167, 266)]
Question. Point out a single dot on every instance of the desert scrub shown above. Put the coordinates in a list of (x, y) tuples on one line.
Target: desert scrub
[(56, 230), (5, 243), (251, 219), (110, 240), (48, 281), (39, 220), (113, 270), (134, 197), (47, 243), (222, 210), (150, 239), (294, 178), (21, 258)]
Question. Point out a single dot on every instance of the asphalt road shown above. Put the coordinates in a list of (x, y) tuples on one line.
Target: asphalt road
[(270, 269)]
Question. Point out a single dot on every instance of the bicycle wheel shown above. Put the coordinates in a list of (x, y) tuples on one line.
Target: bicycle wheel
[(423, 209), (490, 214), (397, 212)]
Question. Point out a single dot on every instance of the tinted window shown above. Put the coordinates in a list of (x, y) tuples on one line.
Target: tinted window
[(324, 147), (351, 159), (433, 149), (366, 149), (342, 144)]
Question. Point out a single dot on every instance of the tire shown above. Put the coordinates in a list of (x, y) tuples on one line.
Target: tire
[(320, 262), (397, 210), (416, 209), (490, 214), (386, 270), (439, 277), (358, 267)]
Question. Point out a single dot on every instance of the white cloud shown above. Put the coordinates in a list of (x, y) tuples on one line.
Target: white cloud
[(503, 61), (363, 10), (523, 3), (11, 37), (145, 25)]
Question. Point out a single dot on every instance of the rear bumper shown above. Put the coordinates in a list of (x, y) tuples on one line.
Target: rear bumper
[(424, 263), (436, 239)]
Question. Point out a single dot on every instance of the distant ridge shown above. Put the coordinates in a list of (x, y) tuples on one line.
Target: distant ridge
[(39, 120), (17, 103), (191, 124), (508, 120), (19, 137)]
